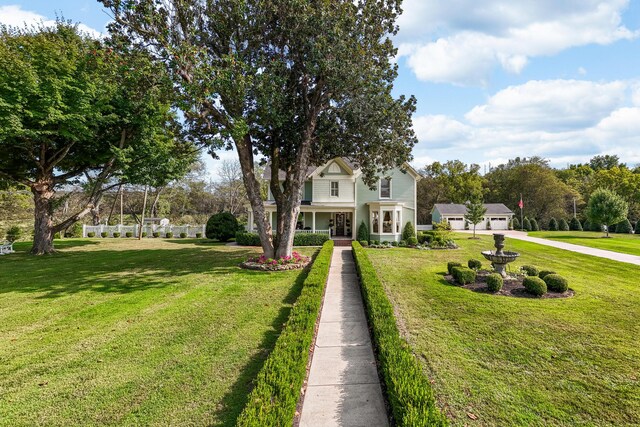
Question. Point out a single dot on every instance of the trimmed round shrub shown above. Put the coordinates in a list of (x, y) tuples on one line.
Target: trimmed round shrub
[(364, 243), (104, 234), (574, 224), (451, 265), (156, 234), (534, 225), (183, 235), (494, 282), (198, 235), (129, 234), (412, 241), (526, 224), (463, 275), (535, 286), (169, 235), (222, 226), (402, 243), (544, 273), (563, 225), (91, 234), (553, 225), (530, 270), (394, 243), (556, 283), (144, 234), (14, 233), (624, 227), (116, 235), (474, 264)]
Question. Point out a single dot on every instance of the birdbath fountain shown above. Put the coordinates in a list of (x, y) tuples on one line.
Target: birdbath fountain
[(500, 258)]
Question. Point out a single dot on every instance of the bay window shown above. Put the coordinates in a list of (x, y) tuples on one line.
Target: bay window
[(375, 228)]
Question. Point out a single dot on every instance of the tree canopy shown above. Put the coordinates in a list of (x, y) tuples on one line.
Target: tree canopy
[(607, 208)]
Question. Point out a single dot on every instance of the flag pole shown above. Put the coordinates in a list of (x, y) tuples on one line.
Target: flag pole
[(521, 214)]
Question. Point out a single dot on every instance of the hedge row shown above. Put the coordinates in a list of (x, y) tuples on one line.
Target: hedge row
[(277, 390), (302, 239), (408, 388)]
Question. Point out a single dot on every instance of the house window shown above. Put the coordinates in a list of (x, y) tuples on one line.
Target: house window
[(385, 188), (375, 219), (334, 168), (334, 189), (387, 222)]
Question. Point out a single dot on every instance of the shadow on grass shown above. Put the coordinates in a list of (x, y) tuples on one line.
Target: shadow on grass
[(115, 271), (234, 402)]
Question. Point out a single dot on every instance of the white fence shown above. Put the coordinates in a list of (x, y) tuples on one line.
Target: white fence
[(424, 227), (328, 232), (189, 230)]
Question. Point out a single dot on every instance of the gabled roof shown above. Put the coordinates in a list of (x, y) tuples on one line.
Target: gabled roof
[(344, 162), (460, 209)]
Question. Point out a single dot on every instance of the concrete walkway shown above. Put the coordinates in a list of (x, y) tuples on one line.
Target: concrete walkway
[(520, 235), (343, 387)]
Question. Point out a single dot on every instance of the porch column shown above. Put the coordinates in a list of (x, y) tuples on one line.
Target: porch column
[(271, 219), (313, 221), (250, 225)]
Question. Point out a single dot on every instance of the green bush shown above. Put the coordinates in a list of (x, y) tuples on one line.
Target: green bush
[(408, 231), (586, 226), (364, 243), (530, 270), (74, 231), (273, 400), (563, 225), (526, 224), (544, 273), (624, 227), (183, 235), (402, 243), (423, 237), (14, 233), (91, 234), (556, 283), (594, 226), (104, 234), (534, 225), (535, 286), (394, 243), (411, 398), (516, 223), (247, 239), (169, 235), (574, 224), (412, 241), (494, 282), (116, 234), (310, 239), (553, 224), (463, 275), (222, 226), (155, 234), (451, 265), (144, 234), (198, 235), (363, 232), (474, 264), (129, 234)]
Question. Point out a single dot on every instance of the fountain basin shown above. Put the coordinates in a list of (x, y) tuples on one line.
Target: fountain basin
[(500, 258)]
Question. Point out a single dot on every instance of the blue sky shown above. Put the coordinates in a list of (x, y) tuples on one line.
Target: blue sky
[(494, 79)]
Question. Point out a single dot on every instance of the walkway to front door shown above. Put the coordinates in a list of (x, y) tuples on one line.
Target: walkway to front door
[(343, 387)]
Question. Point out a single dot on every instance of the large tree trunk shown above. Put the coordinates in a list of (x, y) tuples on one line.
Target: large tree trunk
[(43, 225)]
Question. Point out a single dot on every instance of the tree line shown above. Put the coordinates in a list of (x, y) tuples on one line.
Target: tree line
[(547, 193)]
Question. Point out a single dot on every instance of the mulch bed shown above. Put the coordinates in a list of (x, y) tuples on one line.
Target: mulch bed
[(512, 287)]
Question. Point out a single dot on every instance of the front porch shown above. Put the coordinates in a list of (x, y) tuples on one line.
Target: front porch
[(338, 224)]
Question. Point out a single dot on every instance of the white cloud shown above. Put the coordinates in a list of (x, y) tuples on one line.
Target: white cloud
[(562, 120), (473, 38), (15, 16)]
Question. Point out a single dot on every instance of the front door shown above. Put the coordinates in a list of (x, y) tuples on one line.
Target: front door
[(340, 224)]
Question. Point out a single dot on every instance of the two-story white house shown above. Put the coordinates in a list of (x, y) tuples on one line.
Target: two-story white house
[(336, 200)]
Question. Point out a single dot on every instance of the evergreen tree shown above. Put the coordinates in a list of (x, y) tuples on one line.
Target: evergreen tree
[(363, 232), (563, 225), (408, 232), (515, 223), (526, 224), (534, 225), (553, 225), (574, 224), (624, 227)]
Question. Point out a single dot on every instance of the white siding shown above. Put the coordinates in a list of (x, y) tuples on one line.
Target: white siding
[(322, 191)]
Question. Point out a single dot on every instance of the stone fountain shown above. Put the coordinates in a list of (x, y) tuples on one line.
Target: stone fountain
[(500, 258)]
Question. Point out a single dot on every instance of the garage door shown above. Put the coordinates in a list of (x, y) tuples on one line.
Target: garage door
[(456, 223), (499, 224)]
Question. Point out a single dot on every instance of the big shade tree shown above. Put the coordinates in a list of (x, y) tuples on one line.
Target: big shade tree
[(70, 108), (294, 82)]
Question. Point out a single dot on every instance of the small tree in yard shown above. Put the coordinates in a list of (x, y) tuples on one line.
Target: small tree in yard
[(363, 232), (574, 224), (515, 223), (553, 225), (475, 214), (408, 231), (607, 208), (534, 224), (563, 225), (624, 227), (293, 83), (526, 224), (222, 226)]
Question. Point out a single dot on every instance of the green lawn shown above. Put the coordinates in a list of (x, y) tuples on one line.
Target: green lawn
[(520, 361), (121, 332), (625, 243)]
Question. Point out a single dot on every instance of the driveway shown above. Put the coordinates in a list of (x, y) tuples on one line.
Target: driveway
[(520, 235)]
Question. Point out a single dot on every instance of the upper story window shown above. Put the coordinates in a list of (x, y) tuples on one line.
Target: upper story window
[(334, 168), (385, 188), (335, 192)]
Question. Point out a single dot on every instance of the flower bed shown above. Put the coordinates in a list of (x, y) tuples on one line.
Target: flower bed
[(293, 262)]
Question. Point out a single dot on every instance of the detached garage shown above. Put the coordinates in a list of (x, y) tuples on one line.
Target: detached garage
[(498, 216)]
